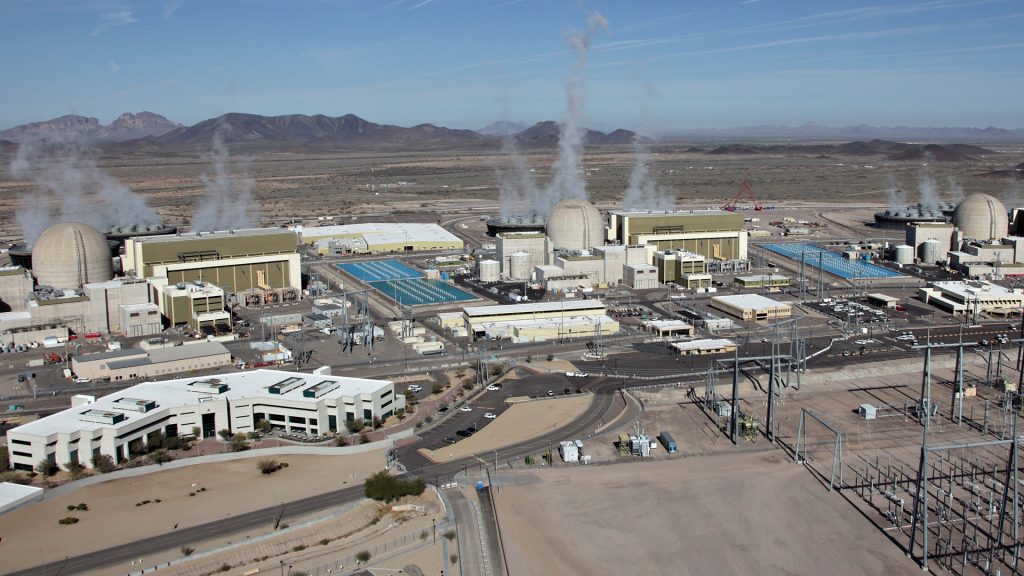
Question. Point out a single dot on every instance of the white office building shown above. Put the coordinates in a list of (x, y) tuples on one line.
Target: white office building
[(121, 424)]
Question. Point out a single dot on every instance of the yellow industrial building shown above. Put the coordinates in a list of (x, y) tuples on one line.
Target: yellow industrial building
[(235, 260)]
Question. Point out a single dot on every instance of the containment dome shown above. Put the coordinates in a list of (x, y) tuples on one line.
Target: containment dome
[(575, 225), (69, 255), (981, 217)]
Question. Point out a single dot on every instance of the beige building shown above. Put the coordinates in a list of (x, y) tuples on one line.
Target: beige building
[(15, 286), (704, 346), (752, 307), (973, 296), (476, 317), (762, 281), (131, 363), (668, 328), (713, 234), (641, 276), (235, 260), (378, 237), (197, 304), (535, 245), (675, 265)]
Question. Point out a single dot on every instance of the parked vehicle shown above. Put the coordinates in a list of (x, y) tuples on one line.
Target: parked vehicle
[(490, 415), (415, 388)]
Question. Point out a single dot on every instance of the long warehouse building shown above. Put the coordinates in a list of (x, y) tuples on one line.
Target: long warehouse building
[(713, 234), (122, 424), (235, 260), (376, 237)]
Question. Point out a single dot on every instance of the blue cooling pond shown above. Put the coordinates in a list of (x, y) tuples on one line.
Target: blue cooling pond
[(829, 261), (404, 284)]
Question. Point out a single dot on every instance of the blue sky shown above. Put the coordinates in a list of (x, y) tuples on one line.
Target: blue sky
[(465, 63)]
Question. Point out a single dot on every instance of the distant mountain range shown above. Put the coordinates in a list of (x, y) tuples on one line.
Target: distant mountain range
[(813, 131), (127, 126), (149, 133), (883, 148)]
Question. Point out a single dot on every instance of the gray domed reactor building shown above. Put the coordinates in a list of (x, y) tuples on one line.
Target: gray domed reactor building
[(70, 255)]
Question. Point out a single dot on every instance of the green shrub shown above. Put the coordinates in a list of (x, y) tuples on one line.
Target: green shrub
[(363, 557), (82, 506), (187, 551), (354, 426), (449, 534), (382, 486), (68, 520), (436, 389), (299, 548), (159, 457)]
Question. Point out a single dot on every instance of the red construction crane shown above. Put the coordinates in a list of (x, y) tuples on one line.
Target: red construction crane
[(745, 191)]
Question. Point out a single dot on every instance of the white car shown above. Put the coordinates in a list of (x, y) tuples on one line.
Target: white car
[(490, 415), (494, 387), (906, 337), (864, 341), (415, 388), (83, 380), (466, 408)]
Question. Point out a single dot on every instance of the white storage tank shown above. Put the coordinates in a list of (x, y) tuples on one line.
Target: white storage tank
[(489, 270), (904, 254), (931, 252), (519, 266)]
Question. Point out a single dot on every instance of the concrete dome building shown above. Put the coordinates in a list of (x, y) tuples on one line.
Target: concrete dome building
[(71, 254), (575, 224), (981, 217)]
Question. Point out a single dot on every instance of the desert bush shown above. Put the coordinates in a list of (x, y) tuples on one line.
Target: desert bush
[(268, 466), (104, 463), (363, 557), (383, 486), (187, 551), (68, 520)]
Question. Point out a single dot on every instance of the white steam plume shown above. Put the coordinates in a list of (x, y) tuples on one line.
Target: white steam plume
[(228, 202), (956, 191), (643, 193), (567, 171), (518, 193), (896, 197), (928, 191), (71, 187)]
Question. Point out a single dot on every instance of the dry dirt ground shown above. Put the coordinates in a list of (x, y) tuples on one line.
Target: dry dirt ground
[(317, 544), (522, 421), (113, 517), (749, 513), (302, 185)]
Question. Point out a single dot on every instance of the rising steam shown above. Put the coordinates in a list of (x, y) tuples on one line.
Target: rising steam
[(567, 172), (228, 201), (518, 192), (643, 193), (71, 187)]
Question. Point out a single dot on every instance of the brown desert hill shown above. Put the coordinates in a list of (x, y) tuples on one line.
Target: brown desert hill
[(127, 126), (1016, 172), (545, 135), (884, 148), (318, 131)]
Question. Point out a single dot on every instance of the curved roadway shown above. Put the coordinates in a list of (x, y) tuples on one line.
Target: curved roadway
[(417, 465)]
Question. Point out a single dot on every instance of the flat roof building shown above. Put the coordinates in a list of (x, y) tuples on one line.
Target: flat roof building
[(121, 424), (762, 281), (704, 346), (478, 319), (235, 260), (129, 363), (973, 296), (385, 236), (714, 234), (752, 307)]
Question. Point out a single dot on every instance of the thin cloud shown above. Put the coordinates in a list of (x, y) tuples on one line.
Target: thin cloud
[(171, 7), (114, 67), (420, 4), (745, 2), (114, 19)]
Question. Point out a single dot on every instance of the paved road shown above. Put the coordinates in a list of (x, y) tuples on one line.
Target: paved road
[(604, 390), (417, 465)]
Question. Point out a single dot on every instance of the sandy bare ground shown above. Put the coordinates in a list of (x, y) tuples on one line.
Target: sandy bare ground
[(751, 513), (520, 422), (113, 517), (394, 538)]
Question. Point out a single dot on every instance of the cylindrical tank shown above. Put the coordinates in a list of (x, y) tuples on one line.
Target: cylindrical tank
[(931, 252), (904, 254), (489, 270), (519, 266)]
